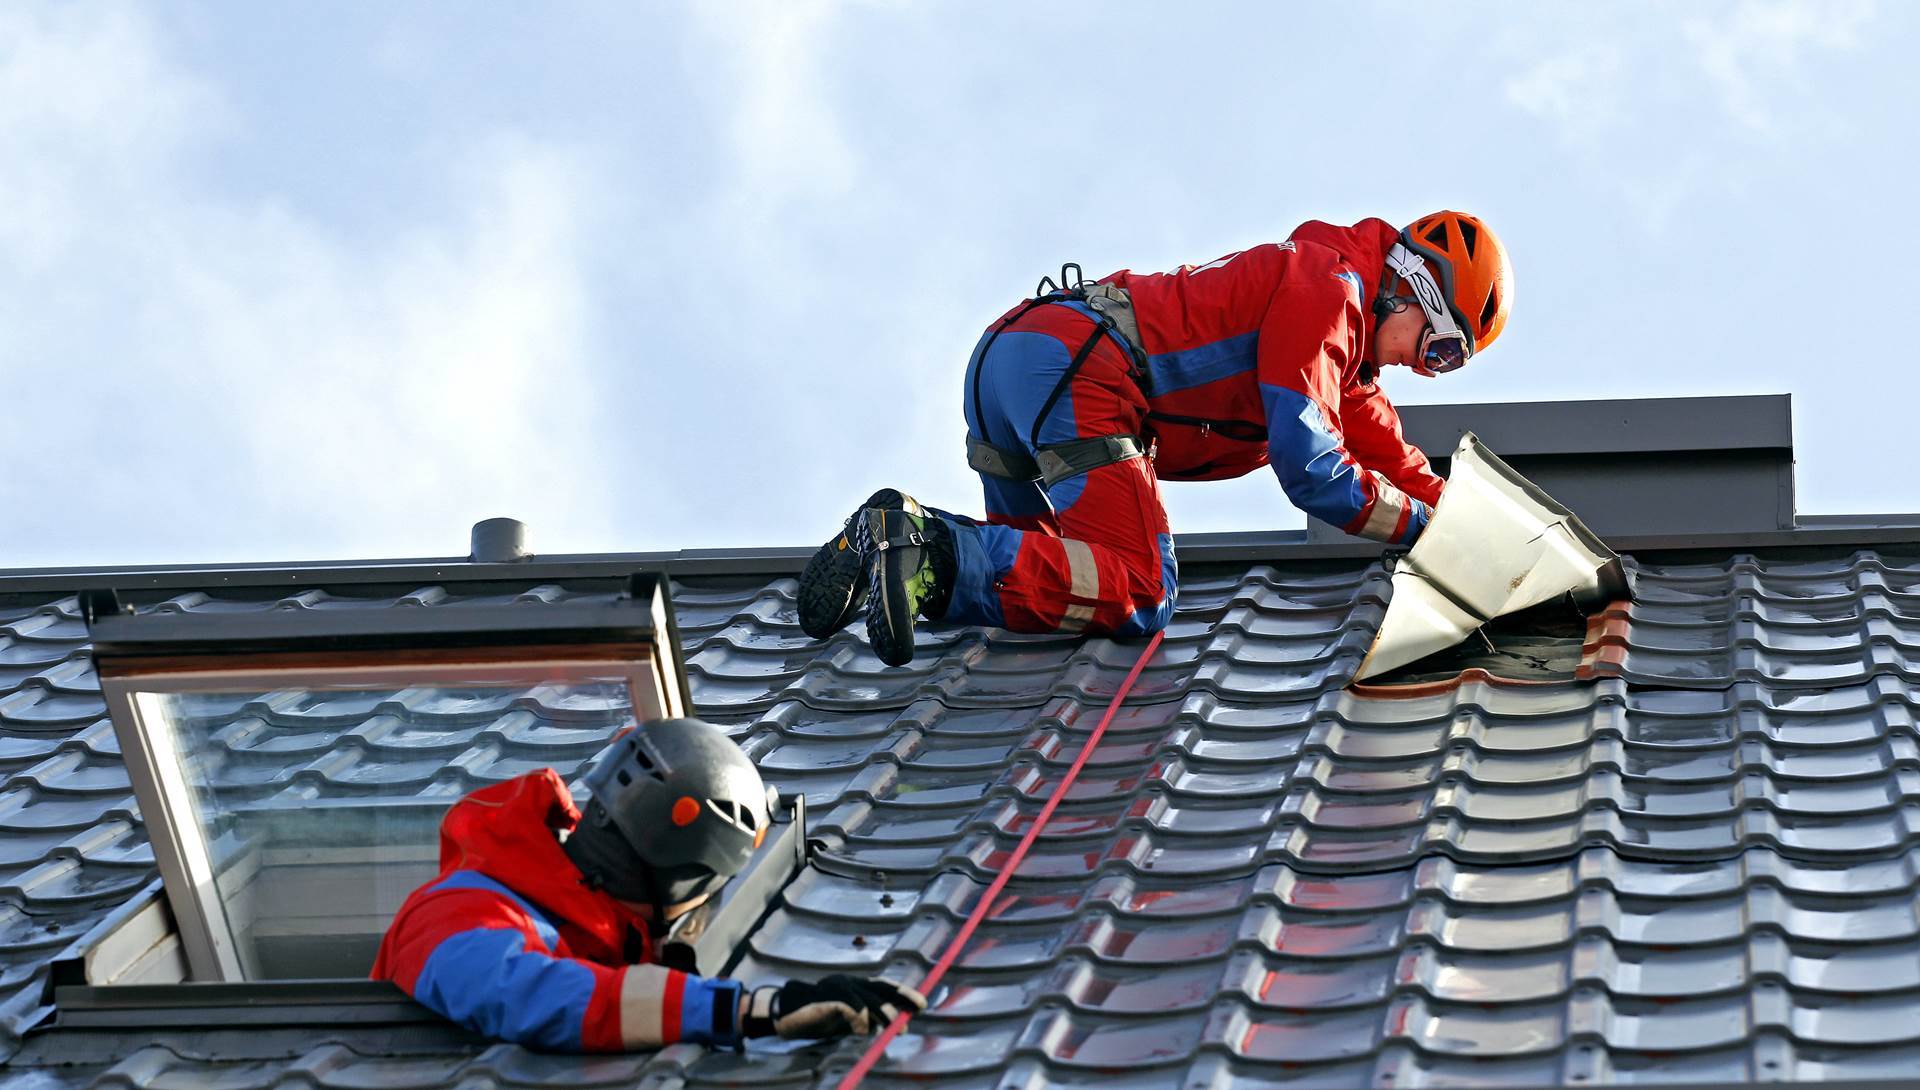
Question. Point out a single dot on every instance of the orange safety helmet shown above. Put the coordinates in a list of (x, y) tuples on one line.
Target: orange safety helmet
[(1475, 275)]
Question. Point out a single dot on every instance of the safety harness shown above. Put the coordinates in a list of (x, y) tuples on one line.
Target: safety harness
[(1052, 463)]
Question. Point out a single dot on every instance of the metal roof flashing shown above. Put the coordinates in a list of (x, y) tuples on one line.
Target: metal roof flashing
[(1549, 644), (1496, 545)]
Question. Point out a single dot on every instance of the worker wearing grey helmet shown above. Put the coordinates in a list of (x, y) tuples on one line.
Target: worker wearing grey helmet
[(544, 925)]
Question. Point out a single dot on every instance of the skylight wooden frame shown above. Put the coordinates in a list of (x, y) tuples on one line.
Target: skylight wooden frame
[(144, 659)]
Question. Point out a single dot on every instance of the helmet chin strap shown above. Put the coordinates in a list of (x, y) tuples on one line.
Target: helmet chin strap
[(1386, 301), (609, 864), (1386, 304)]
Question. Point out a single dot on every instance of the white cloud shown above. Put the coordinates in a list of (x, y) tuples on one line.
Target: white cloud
[(1759, 46), (84, 104), (233, 378), (1623, 68), (787, 139), (1576, 89), (1644, 110)]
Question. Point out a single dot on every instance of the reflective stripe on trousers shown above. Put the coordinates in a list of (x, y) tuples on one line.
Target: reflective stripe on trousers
[(1086, 585)]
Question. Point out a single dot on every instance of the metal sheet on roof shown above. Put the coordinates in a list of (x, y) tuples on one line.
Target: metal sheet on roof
[(1496, 545)]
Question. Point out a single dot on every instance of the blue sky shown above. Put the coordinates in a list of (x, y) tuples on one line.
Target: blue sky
[(335, 281)]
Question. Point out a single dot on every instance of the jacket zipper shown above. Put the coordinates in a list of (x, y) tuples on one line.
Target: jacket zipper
[(1244, 431)]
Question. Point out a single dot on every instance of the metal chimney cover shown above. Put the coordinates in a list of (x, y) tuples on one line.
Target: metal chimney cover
[(499, 541)]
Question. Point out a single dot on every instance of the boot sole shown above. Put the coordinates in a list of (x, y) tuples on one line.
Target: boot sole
[(831, 583), (827, 588), (889, 616)]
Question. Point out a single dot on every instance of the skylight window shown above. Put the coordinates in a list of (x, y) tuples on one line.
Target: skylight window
[(292, 766)]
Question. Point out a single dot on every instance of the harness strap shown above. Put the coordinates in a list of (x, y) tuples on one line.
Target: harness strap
[(1116, 304), (1060, 461), (979, 361), (1011, 465), (1066, 379), (1112, 315), (1054, 462)]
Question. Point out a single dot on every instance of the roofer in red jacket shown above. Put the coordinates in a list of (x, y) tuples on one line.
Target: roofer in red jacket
[(542, 927), (1080, 400)]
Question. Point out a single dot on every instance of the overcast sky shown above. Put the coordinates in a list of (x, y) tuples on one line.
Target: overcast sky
[(337, 280)]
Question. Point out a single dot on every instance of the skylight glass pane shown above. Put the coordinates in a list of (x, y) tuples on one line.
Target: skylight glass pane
[(318, 806)]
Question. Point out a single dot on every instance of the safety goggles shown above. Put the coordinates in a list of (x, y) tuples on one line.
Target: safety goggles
[(1444, 346)]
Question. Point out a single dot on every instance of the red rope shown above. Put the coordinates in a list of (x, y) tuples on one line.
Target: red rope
[(872, 1055)]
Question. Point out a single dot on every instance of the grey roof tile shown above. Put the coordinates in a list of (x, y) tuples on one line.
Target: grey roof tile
[(1704, 867), (348, 1059)]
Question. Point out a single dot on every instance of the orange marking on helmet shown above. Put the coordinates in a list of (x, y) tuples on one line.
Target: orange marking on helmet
[(759, 836), (685, 809)]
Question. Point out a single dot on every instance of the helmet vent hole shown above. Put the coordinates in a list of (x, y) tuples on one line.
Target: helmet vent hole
[(1492, 308), (735, 814), (1469, 236), (1438, 235), (646, 765), (625, 779)]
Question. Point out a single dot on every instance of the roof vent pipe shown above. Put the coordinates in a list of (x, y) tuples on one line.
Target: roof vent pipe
[(499, 541)]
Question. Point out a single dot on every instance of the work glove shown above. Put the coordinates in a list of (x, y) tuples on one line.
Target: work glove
[(828, 1007)]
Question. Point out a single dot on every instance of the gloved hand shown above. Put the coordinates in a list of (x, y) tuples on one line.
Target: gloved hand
[(827, 1008)]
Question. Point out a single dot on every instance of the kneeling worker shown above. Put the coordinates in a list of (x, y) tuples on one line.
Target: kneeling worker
[(543, 926), (1081, 400)]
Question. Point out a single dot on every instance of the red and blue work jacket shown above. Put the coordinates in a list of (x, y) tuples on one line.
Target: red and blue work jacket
[(1257, 358), (510, 942)]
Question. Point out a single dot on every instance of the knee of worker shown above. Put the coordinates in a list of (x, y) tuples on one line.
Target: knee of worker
[(1146, 620), (1154, 610), (1116, 509)]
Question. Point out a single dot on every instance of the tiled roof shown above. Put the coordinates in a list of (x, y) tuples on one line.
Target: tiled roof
[(1701, 868)]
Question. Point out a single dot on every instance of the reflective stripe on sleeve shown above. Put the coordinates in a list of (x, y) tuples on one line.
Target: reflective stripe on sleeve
[(1085, 574), (643, 1005), (1389, 510)]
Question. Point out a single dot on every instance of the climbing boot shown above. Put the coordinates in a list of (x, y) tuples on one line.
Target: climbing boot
[(910, 569), (834, 585)]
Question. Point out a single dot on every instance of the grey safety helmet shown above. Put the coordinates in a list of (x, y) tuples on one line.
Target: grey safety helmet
[(681, 798)]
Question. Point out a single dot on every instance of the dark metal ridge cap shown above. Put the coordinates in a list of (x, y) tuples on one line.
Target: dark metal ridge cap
[(1600, 427), (1217, 548), (421, 571)]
